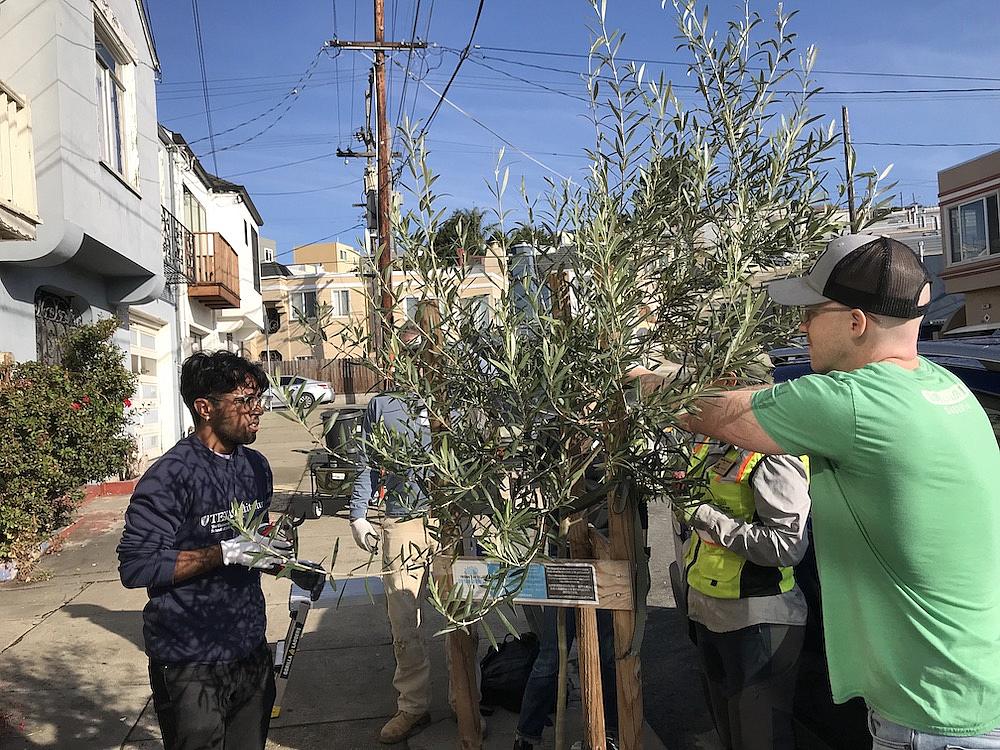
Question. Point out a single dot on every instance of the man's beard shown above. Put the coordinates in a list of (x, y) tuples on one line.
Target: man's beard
[(237, 436)]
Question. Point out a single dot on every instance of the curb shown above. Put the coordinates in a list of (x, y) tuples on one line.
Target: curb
[(103, 489)]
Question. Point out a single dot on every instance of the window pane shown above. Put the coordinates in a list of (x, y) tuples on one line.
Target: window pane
[(993, 222), (973, 219), (304, 303), (102, 111), (411, 307), (104, 56), (117, 160), (956, 235), (147, 341)]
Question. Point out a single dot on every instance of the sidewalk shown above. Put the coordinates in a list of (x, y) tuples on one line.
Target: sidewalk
[(72, 667)]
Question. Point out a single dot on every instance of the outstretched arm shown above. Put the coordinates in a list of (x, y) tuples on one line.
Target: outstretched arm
[(728, 416)]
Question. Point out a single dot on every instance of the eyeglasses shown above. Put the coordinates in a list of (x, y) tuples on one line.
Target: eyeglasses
[(811, 311), (244, 403)]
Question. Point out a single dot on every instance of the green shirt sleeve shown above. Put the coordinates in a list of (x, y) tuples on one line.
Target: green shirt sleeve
[(811, 415)]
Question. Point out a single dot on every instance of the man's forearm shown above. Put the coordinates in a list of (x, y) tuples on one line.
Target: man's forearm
[(728, 416), (194, 562)]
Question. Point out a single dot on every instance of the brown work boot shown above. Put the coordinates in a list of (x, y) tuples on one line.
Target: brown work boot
[(401, 726)]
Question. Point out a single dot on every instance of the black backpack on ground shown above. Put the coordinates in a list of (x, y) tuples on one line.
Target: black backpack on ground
[(505, 671)]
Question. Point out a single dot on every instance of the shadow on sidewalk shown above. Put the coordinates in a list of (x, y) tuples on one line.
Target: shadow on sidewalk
[(60, 704)]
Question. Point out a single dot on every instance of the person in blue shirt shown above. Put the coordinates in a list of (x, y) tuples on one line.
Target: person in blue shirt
[(210, 668)]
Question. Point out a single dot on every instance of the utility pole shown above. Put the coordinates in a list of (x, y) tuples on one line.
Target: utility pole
[(849, 171), (383, 154)]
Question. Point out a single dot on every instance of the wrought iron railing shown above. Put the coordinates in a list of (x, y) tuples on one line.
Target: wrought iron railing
[(178, 249)]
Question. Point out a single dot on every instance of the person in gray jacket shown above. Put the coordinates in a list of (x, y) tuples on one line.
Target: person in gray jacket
[(748, 614), (406, 548)]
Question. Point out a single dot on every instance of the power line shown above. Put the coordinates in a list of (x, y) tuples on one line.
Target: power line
[(863, 73), (409, 59), (292, 94), (927, 145), (818, 92), (204, 82), (336, 72), (313, 242), (426, 66), (354, 61), (442, 98), (283, 165), (536, 84), (311, 190), (461, 59)]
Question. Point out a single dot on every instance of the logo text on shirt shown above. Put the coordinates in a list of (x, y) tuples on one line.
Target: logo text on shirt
[(950, 398), (220, 521)]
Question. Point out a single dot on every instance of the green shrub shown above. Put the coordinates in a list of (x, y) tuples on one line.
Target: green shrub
[(61, 426)]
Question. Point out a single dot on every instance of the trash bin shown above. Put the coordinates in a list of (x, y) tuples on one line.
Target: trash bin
[(343, 430)]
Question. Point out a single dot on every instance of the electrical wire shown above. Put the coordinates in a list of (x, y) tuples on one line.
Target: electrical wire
[(926, 145), (873, 74), (313, 242), (336, 73), (426, 67), (406, 70), (461, 59), (284, 164), (354, 60), (442, 98), (355, 181), (536, 84), (292, 94), (204, 82), (819, 92)]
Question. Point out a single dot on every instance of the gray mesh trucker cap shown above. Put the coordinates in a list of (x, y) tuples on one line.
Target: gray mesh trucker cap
[(876, 274)]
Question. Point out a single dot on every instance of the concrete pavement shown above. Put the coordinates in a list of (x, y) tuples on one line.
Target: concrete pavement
[(73, 672)]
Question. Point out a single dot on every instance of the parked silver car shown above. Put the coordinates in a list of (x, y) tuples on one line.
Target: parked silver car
[(306, 390)]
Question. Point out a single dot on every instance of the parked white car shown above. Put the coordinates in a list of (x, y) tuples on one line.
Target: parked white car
[(306, 390)]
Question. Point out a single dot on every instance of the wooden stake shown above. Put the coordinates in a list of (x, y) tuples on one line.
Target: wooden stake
[(587, 642), (627, 669), (464, 689), (588, 647)]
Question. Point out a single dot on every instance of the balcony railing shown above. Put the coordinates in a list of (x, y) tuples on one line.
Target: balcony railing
[(178, 249), (216, 281), (18, 200)]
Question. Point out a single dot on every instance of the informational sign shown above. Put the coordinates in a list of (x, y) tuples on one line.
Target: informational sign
[(539, 583)]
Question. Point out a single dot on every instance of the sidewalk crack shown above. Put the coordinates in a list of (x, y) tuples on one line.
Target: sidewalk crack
[(46, 616)]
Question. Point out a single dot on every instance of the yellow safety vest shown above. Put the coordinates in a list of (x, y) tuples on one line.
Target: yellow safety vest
[(714, 570)]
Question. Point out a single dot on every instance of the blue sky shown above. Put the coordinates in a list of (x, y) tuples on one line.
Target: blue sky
[(256, 51)]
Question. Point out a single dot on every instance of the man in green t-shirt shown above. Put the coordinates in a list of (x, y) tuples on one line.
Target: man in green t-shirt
[(906, 498)]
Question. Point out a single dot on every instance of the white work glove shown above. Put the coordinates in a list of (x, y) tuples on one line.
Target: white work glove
[(365, 535), (262, 552)]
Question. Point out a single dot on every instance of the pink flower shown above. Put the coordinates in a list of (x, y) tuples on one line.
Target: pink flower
[(127, 402), (76, 406), (86, 399)]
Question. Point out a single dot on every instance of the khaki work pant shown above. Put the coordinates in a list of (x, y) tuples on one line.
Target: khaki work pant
[(406, 552)]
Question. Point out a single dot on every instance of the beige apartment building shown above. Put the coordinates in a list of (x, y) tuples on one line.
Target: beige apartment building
[(336, 279), (969, 194)]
